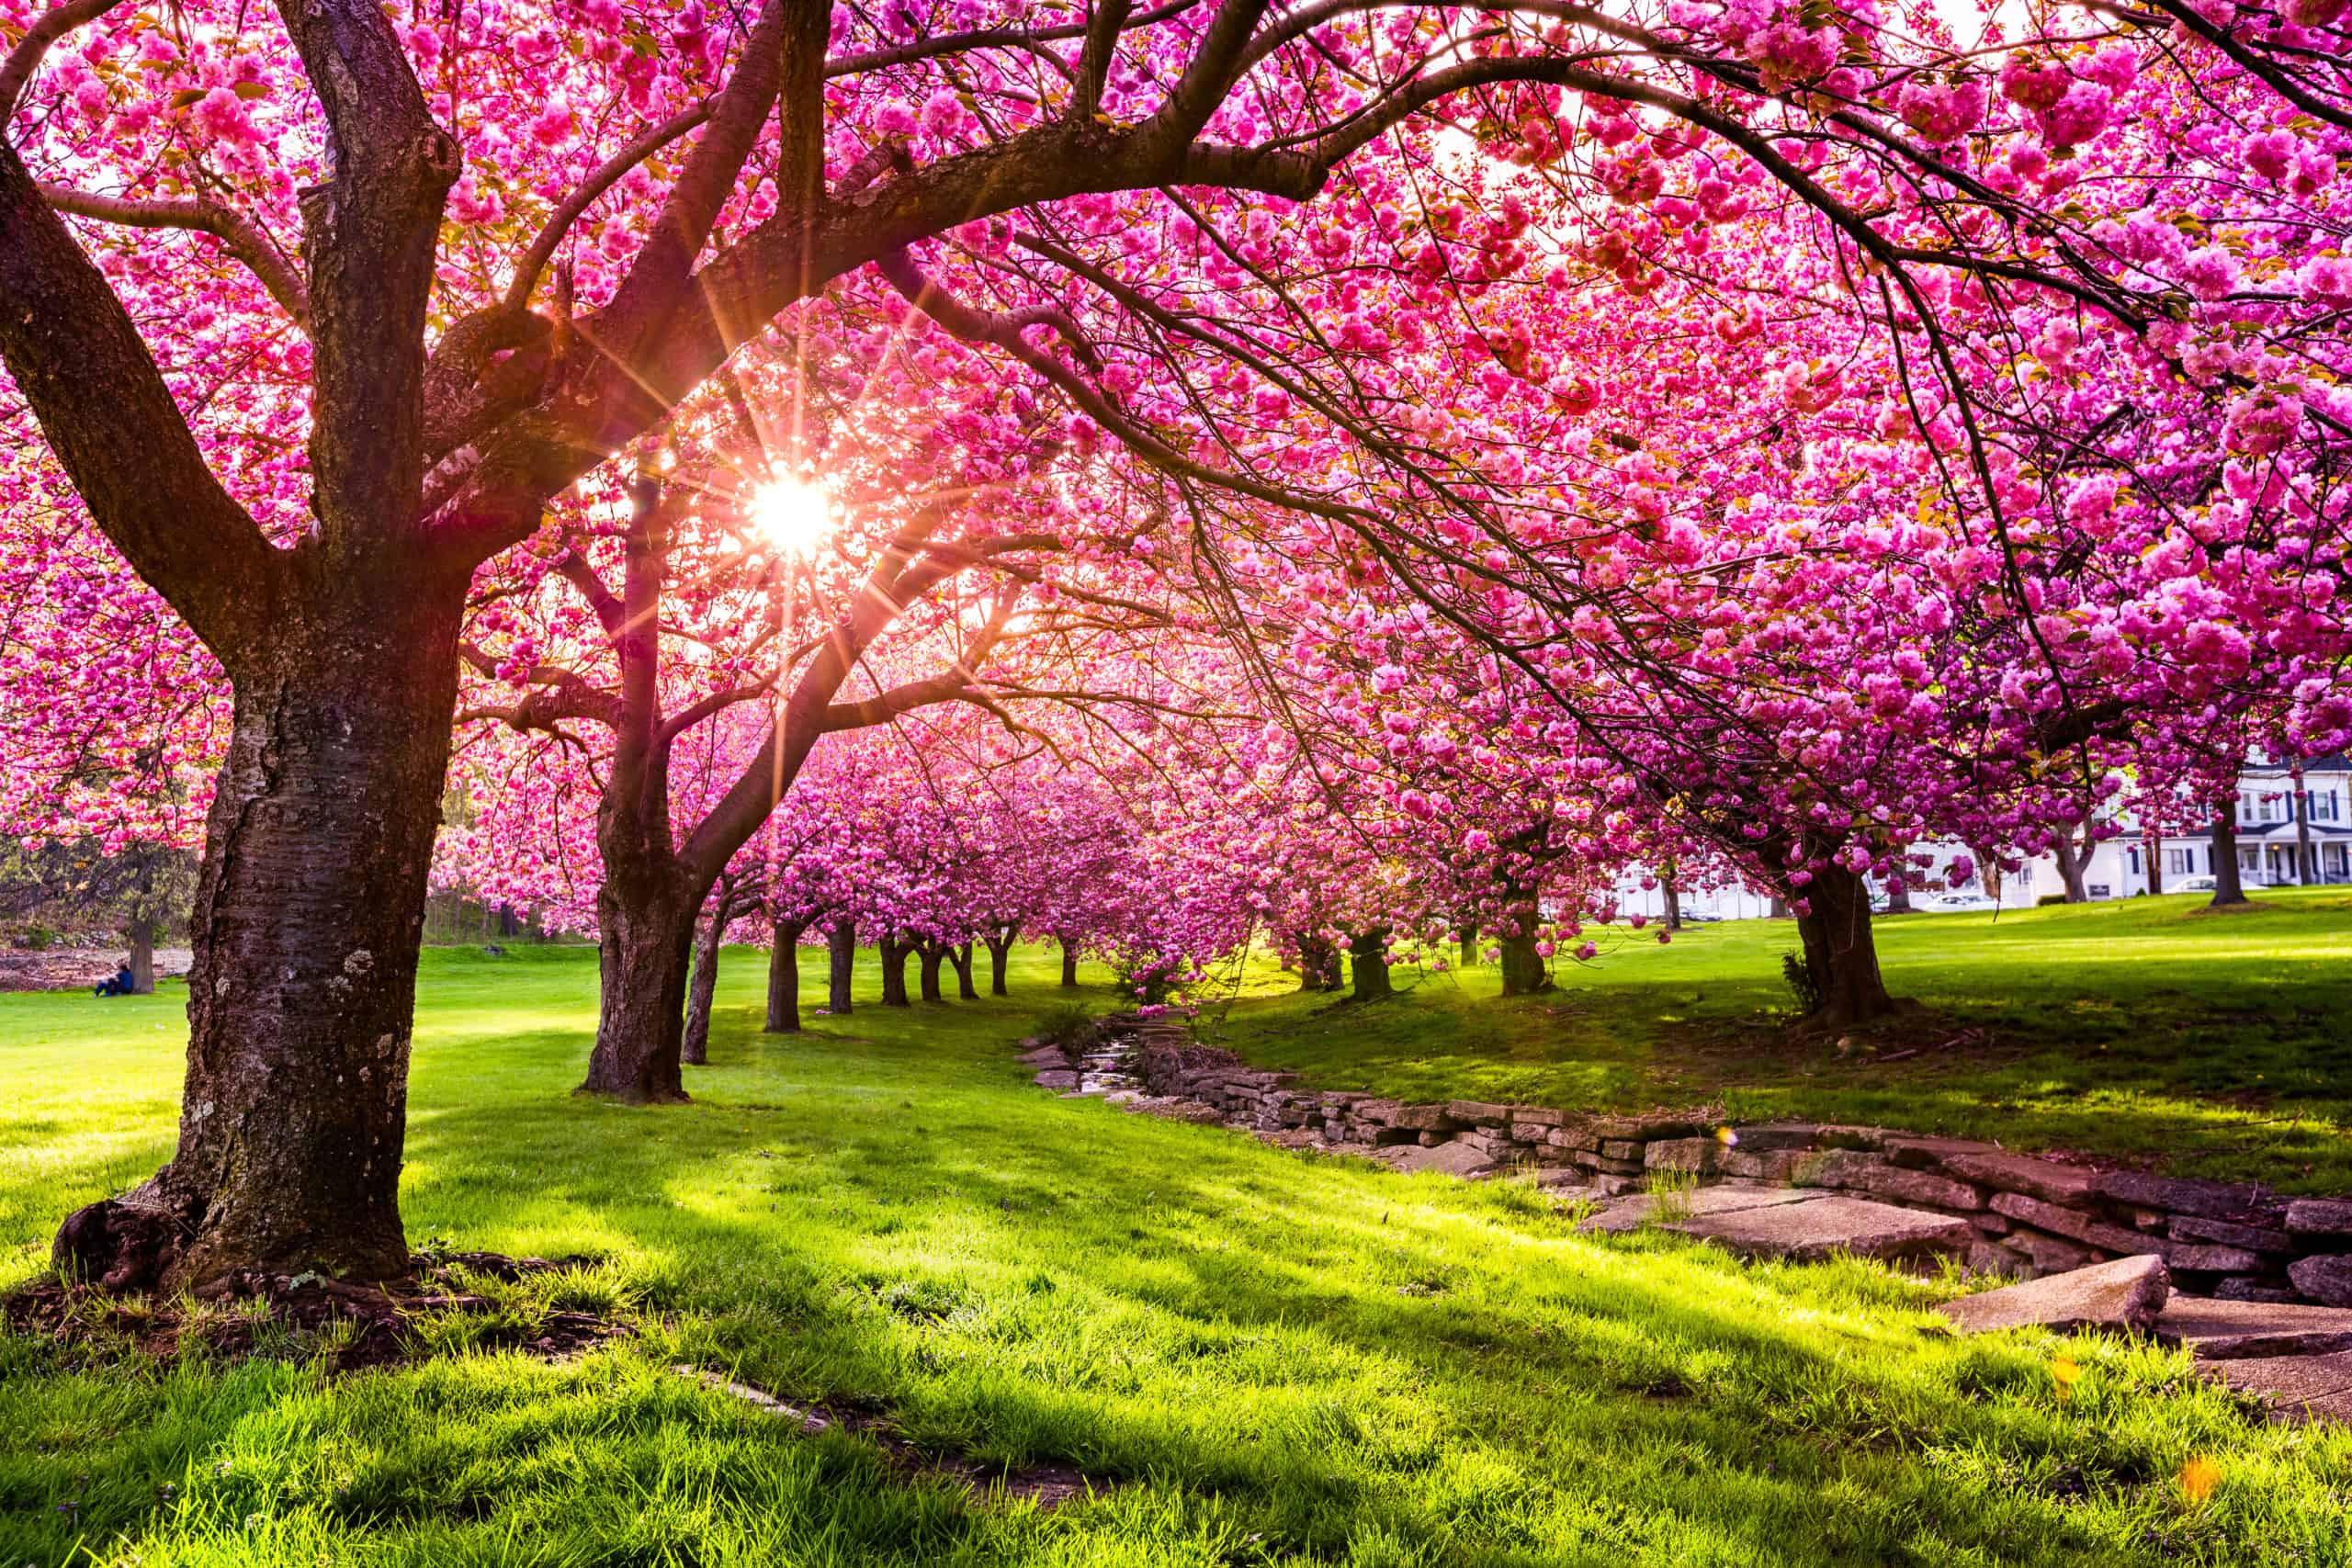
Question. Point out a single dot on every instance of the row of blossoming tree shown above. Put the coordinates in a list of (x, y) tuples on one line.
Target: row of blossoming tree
[(1395, 465)]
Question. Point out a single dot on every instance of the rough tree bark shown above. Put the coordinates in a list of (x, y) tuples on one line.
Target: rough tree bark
[(1525, 971), (1836, 930), (2070, 871), (783, 979), (928, 957), (640, 1011), (2228, 885), (342, 653), (1000, 960), (2306, 857), (960, 956), (142, 955), (1069, 962), (1468, 937), (308, 912), (694, 1048), (841, 966), (1673, 906), (1368, 965), (895, 955), (1319, 965)]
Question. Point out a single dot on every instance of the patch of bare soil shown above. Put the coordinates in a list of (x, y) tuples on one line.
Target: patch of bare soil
[(78, 968), (1047, 1485), (1916, 1035), (302, 1316)]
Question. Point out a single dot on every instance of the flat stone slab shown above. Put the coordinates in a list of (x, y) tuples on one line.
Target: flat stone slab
[(2299, 1387), (1063, 1080), (2219, 1330), (2126, 1294), (1821, 1227), (1731, 1197), (1453, 1158)]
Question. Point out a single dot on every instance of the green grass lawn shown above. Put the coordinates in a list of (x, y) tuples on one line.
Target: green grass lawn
[(2147, 1029), (1263, 1357)]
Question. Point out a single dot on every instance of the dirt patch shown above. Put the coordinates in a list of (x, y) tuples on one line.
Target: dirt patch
[(78, 968), (304, 1317), (1047, 1485)]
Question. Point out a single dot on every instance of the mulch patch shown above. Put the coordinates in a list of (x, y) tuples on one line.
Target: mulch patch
[(281, 1316)]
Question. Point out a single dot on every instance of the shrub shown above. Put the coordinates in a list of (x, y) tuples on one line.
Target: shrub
[(2049, 899), (1067, 1027), (1802, 982)]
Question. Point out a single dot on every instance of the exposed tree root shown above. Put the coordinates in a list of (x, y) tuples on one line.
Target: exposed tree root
[(1047, 1485), (250, 1314)]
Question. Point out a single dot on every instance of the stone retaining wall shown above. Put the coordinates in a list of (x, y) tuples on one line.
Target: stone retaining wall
[(2031, 1216)]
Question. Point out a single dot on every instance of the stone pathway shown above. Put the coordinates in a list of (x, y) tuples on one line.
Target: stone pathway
[(2297, 1357)]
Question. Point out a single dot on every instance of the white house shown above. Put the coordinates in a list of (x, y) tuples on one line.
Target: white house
[(2284, 838)]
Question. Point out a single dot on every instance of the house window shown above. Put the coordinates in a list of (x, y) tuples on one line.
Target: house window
[(2323, 805), (2179, 862), (2249, 859), (2134, 856), (2266, 809)]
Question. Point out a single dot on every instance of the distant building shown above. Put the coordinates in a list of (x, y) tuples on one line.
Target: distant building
[(2285, 838)]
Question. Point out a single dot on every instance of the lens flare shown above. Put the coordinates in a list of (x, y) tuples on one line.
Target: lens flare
[(795, 516)]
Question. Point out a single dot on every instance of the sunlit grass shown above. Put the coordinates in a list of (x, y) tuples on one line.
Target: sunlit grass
[(1263, 1357), (2221, 1043)]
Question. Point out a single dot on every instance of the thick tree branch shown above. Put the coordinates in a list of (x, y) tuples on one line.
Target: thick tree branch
[(26, 58), (83, 367), (239, 235)]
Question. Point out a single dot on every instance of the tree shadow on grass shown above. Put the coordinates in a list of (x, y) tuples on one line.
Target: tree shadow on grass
[(1337, 1350), (1318, 1355)]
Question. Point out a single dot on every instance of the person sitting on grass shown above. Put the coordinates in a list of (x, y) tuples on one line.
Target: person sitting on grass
[(120, 985)]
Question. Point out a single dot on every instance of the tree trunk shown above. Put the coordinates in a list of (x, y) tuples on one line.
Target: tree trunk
[(894, 972), (2228, 887), (999, 959), (841, 966), (961, 956), (1673, 901), (1898, 894), (2153, 849), (2306, 858), (1778, 910), (1836, 930), (2070, 871), (783, 980), (1069, 963), (1319, 965), (694, 1048), (509, 928), (1368, 964), (1525, 973), (142, 955), (642, 961), (927, 963), (308, 911), (1468, 939)]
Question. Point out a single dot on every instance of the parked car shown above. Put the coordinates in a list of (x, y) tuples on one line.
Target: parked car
[(2193, 885), (1948, 902)]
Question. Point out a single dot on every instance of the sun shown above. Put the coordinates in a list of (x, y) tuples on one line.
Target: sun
[(794, 515)]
